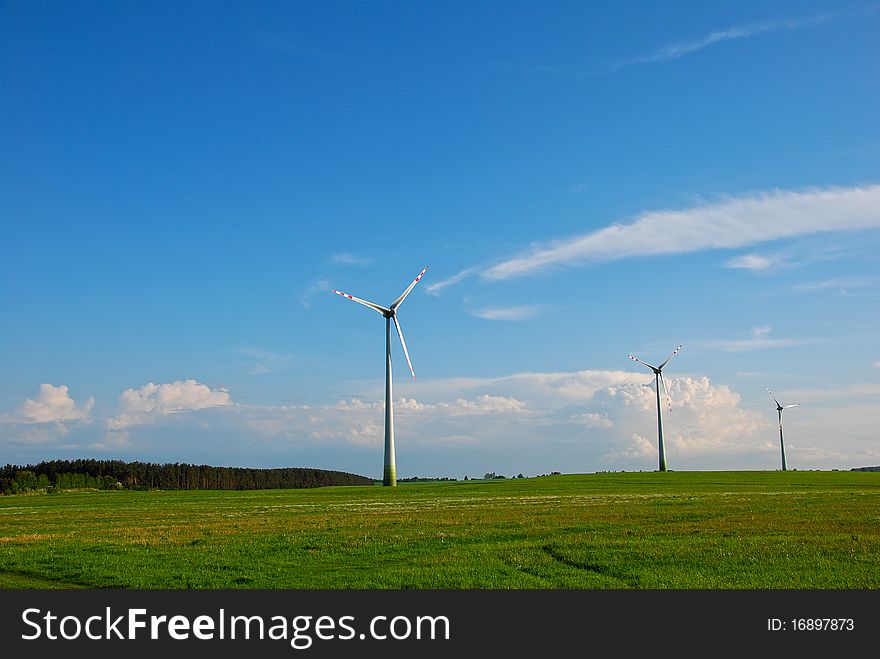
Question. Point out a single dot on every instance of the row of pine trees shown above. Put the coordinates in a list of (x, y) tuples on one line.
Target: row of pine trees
[(59, 475)]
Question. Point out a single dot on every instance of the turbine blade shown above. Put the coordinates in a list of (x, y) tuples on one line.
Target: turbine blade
[(403, 343), (636, 359), (403, 295), (792, 405), (674, 353), (376, 307), (773, 397), (666, 389)]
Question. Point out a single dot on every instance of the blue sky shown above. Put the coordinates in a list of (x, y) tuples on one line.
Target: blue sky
[(181, 185)]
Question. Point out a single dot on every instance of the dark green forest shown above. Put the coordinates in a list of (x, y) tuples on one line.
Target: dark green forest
[(58, 475)]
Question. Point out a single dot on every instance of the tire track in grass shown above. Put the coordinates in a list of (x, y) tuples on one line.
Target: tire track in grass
[(607, 571)]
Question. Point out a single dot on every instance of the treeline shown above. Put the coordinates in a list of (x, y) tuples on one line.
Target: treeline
[(425, 479), (59, 475)]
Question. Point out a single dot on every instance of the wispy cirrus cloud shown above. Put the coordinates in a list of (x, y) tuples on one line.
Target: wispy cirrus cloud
[(257, 361), (841, 284), (759, 340), (347, 258), (675, 50), (436, 287), (319, 285), (729, 223), (514, 313)]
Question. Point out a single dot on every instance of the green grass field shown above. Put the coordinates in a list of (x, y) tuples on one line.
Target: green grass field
[(801, 530)]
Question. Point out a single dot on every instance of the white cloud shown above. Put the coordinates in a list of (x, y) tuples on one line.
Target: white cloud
[(50, 416), (876, 364), (758, 341), (346, 258), (517, 414), (637, 448), (732, 222), (53, 405), (592, 420), (435, 288), (853, 392), (537, 421), (755, 262), (151, 401), (258, 361), (679, 49), (480, 405), (705, 419), (744, 345), (361, 423), (838, 283), (545, 390), (514, 313), (319, 285)]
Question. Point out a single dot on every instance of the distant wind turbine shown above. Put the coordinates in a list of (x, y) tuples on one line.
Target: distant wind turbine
[(389, 476), (779, 409), (658, 378)]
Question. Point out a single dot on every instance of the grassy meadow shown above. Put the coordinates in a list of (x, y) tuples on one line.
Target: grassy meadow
[(717, 530)]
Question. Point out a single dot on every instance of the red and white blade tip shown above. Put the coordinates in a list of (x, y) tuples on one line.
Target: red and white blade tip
[(409, 288)]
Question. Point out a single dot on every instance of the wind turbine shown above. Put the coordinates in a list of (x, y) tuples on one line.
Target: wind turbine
[(779, 409), (658, 378), (389, 476)]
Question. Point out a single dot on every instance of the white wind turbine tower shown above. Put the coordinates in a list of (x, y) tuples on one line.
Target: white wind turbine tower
[(658, 378), (389, 476), (779, 409)]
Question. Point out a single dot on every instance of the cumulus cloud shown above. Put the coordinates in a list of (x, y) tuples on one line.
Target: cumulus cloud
[(706, 419), (592, 420), (485, 404), (729, 223), (151, 401), (610, 414), (53, 405), (49, 417), (636, 448), (362, 422), (480, 405)]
